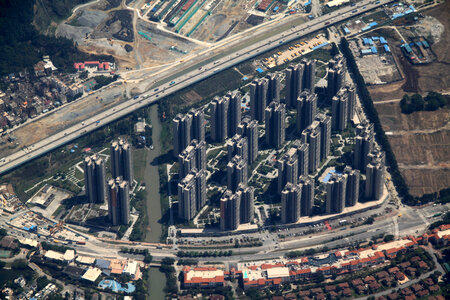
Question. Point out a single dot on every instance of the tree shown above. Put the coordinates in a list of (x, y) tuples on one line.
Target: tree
[(167, 261), (417, 102), (369, 220), (388, 238), (42, 282), (19, 264), (432, 105), (148, 258)]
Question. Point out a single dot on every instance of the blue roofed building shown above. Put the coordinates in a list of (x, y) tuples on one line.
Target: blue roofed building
[(383, 40), (104, 265), (386, 48), (373, 49), (407, 48), (259, 70)]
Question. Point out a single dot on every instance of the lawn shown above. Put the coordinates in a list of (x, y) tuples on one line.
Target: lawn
[(139, 163)]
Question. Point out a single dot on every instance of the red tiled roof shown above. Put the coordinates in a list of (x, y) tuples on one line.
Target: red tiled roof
[(270, 266)]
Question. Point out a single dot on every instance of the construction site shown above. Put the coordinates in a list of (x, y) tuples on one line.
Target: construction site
[(41, 226), (374, 59), (48, 200), (419, 140), (212, 20)]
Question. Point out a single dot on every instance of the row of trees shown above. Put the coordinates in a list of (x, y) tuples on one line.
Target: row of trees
[(372, 114), (168, 269), (204, 253), (416, 102)]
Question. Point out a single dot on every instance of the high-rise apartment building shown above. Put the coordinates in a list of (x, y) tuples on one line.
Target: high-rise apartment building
[(234, 112), (336, 193), (325, 135), (348, 92), (258, 98), (287, 169), (181, 132), (219, 118), (352, 189), (249, 129), (364, 142), (247, 195), (309, 74), (307, 198), (230, 210), (303, 158), (95, 178), (121, 160), (375, 175), (275, 124), (336, 75), (194, 156), (198, 124), (236, 208), (290, 203), (339, 111), (312, 136), (273, 87), (191, 194), (238, 145), (306, 109), (119, 201), (237, 173), (294, 83)]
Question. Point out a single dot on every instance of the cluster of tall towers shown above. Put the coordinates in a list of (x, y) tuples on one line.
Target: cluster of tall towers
[(342, 95), (303, 158), (225, 116), (342, 190), (297, 199), (187, 127), (117, 189), (370, 160), (236, 207), (190, 149)]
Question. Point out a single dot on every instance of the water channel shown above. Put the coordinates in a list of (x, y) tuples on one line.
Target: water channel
[(157, 280)]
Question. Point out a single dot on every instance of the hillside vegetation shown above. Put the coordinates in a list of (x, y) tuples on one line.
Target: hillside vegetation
[(22, 46), (48, 11)]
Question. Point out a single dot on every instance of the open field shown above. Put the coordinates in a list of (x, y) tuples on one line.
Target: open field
[(421, 140)]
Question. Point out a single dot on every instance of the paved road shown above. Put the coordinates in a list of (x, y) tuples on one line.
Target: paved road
[(166, 88)]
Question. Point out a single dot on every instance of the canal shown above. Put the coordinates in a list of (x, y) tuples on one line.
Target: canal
[(157, 280), (151, 178)]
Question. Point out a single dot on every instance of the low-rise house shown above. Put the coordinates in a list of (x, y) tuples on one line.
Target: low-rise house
[(202, 277), (91, 274)]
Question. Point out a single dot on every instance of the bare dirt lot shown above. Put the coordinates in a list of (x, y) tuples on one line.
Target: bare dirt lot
[(421, 140)]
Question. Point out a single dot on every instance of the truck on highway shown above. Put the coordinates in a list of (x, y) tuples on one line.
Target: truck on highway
[(172, 83), (136, 97)]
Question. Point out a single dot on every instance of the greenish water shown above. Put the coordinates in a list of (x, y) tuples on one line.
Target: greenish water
[(157, 282), (4, 253), (151, 178)]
